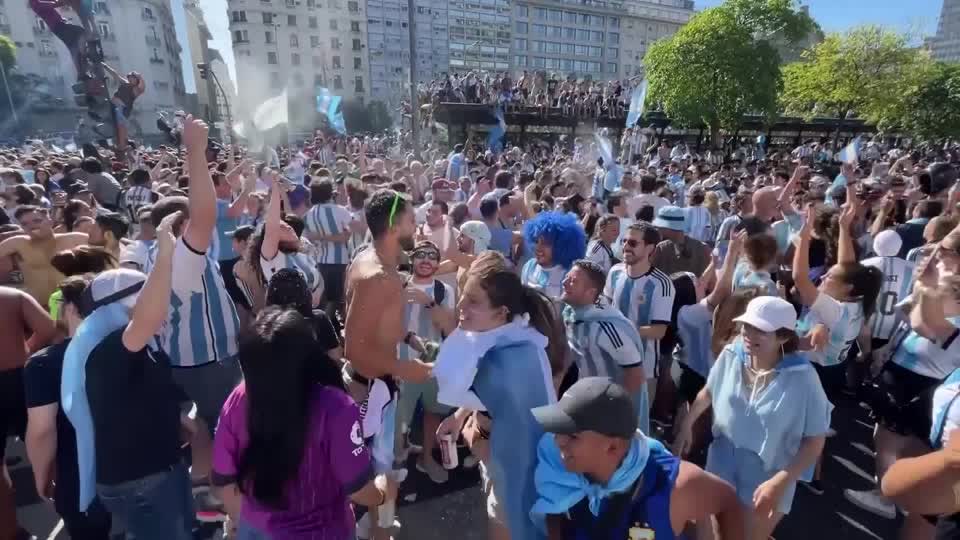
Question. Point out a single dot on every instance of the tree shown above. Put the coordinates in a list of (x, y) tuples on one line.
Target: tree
[(865, 71), (8, 52), (931, 109), (379, 116), (355, 116), (724, 63)]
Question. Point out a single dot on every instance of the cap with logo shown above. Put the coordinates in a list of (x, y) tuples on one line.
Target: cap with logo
[(592, 404)]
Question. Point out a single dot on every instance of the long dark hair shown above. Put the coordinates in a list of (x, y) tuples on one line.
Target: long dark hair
[(279, 361), (865, 284), (504, 289)]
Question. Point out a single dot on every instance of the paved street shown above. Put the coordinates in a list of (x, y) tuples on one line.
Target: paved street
[(454, 510)]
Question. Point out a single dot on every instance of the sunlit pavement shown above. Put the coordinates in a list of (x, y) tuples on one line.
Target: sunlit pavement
[(455, 510)]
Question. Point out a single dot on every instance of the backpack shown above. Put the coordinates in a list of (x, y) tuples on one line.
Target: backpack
[(439, 292)]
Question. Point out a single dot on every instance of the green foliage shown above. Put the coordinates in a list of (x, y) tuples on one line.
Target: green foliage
[(373, 117), (865, 71), (379, 114), (724, 63), (8, 52), (931, 109)]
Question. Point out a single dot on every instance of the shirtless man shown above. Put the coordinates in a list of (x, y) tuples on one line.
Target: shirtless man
[(34, 250), (375, 302)]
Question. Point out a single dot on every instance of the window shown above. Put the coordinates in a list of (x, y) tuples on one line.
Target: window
[(312, 22), (521, 27), (583, 35), (568, 49), (336, 63), (333, 24), (148, 13), (358, 84), (291, 20), (353, 7), (540, 13), (294, 40), (355, 26), (295, 59), (520, 61), (239, 16), (569, 17), (523, 11), (101, 8), (335, 44), (613, 53), (356, 45), (555, 15), (611, 67), (539, 29), (614, 37), (271, 57), (314, 41), (104, 29), (570, 33), (357, 62), (615, 22), (554, 31), (337, 82), (268, 37), (597, 37), (581, 50), (46, 49), (312, 3), (267, 17), (239, 36), (520, 44)]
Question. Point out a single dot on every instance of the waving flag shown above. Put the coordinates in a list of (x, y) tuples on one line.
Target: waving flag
[(636, 104), (272, 112), (494, 142), (329, 105), (850, 154)]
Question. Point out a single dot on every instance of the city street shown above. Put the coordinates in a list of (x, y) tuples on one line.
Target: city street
[(454, 510)]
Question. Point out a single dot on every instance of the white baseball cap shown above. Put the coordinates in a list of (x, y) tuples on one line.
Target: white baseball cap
[(887, 243), (479, 232), (769, 314)]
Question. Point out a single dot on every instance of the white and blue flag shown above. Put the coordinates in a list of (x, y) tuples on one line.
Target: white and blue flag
[(494, 139), (851, 153), (636, 104), (329, 105)]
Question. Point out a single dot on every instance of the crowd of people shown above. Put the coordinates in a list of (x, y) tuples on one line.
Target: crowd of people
[(247, 337)]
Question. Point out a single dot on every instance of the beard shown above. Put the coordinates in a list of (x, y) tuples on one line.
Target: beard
[(407, 243)]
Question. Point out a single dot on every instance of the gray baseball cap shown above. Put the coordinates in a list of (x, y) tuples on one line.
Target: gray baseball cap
[(592, 404)]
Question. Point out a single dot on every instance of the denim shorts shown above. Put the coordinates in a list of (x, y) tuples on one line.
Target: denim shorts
[(156, 507)]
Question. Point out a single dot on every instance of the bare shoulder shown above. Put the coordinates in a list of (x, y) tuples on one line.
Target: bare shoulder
[(367, 272), (71, 239)]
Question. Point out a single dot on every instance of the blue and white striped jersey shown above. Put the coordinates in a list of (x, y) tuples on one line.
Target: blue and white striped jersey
[(222, 245), (946, 410), (897, 279), (203, 326), (598, 348), (913, 256), (699, 224), (601, 254), (645, 300), (723, 236), (924, 357), (784, 229), (416, 318), (301, 262), (744, 277), (329, 219), (547, 280), (695, 329), (844, 321)]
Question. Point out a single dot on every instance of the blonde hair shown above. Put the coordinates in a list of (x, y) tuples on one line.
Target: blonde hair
[(711, 201)]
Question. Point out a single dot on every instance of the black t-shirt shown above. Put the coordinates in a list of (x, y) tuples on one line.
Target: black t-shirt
[(41, 384), (911, 233), (327, 337), (134, 405)]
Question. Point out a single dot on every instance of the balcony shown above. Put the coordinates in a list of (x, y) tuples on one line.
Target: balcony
[(148, 17), (5, 29), (152, 41), (155, 60)]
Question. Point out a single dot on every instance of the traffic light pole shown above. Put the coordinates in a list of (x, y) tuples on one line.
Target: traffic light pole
[(205, 69)]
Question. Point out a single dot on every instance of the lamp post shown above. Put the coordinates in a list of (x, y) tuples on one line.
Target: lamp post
[(414, 96)]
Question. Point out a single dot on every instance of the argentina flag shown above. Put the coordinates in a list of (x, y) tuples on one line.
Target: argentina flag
[(636, 104), (850, 154), (329, 105), (494, 142)]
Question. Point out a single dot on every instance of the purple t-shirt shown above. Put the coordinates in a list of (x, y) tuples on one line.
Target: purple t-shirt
[(335, 464), (48, 13)]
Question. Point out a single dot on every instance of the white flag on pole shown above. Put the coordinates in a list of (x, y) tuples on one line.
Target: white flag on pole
[(272, 112)]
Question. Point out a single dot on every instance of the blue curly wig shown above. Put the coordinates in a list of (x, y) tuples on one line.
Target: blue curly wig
[(562, 231)]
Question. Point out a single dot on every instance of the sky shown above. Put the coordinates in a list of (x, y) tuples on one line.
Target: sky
[(916, 17)]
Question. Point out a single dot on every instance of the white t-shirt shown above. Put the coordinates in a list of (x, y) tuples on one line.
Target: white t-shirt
[(844, 321), (645, 199)]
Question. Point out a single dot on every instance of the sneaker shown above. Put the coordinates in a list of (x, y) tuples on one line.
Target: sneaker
[(872, 501), (814, 487), (209, 508), (437, 474)]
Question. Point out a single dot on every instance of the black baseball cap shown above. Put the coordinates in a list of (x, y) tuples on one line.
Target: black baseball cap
[(592, 404), (242, 233)]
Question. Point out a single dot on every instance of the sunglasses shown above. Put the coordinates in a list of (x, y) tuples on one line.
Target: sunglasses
[(421, 255), (631, 242)]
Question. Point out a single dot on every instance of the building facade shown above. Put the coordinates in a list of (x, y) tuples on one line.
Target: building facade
[(137, 35), (599, 39), (298, 45), (198, 39), (945, 45), (388, 33)]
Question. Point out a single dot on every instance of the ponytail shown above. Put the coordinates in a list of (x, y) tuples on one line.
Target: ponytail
[(865, 284), (543, 317)]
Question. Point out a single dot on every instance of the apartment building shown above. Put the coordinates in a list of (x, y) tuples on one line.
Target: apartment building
[(945, 45)]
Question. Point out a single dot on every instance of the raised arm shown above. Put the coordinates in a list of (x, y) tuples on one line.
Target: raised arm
[(725, 283), (203, 198), (846, 253), (801, 262), (271, 225), (152, 305)]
